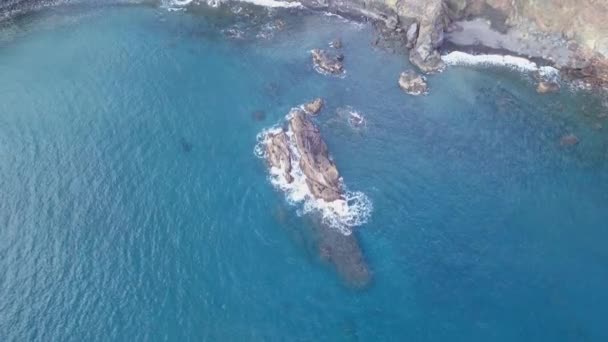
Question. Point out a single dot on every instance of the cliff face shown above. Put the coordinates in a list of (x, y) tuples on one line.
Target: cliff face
[(582, 21)]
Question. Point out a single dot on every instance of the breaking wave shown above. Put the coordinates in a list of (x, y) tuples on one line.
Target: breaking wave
[(353, 210), (274, 3), (517, 63)]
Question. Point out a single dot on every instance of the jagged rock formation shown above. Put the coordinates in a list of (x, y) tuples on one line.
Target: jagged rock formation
[(423, 22), (412, 83), (321, 173), (299, 145), (314, 107), (326, 62)]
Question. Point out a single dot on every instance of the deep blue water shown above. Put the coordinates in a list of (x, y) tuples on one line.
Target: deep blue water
[(132, 206)]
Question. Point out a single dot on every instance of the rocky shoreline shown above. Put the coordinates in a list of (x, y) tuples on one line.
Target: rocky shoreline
[(571, 35), (518, 27)]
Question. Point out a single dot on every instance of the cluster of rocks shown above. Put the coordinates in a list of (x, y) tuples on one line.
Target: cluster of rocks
[(412, 83), (545, 87), (314, 107), (327, 62)]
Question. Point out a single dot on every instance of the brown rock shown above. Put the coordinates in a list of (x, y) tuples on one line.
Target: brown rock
[(326, 62), (322, 176), (545, 87), (279, 155), (413, 83), (314, 107)]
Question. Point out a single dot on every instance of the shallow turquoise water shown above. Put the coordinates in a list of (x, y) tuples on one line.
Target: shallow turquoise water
[(133, 208)]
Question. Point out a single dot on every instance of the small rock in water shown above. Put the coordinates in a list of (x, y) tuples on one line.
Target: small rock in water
[(314, 107), (258, 115), (336, 43), (327, 63), (413, 83), (545, 87), (186, 145), (569, 140)]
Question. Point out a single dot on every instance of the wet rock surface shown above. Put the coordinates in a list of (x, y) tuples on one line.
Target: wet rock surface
[(314, 107), (326, 62), (345, 254), (545, 87), (279, 155), (321, 173), (413, 83)]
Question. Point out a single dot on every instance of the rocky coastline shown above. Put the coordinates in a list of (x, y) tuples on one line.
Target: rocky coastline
[(570, 35)]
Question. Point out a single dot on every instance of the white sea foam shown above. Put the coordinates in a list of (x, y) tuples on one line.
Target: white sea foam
[(274, 3), (518, 63), (355, 119), (353, 210), (175, 5)]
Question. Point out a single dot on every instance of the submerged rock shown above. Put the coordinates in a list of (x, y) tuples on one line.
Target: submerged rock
[(314, 107), (186, 145), (258, 115), (413, 83), (545, 87), (345, 254), (569, 140), (325, 62)]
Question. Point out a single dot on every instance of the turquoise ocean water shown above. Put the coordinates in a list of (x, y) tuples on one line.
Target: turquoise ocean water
[(133, 207)]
